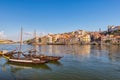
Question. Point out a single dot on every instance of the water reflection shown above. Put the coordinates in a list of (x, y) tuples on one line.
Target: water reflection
[(14, 67), (106, 52), (80, 51), (98, 51), (57, 63), (114, 53), (29, 66), (65, 49), (80, 62)]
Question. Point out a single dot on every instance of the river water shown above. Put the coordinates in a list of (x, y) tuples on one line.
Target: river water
[(86, 62)]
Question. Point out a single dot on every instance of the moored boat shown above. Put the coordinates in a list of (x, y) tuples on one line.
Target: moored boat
[(41, 56), (27, 60), (20, 59)]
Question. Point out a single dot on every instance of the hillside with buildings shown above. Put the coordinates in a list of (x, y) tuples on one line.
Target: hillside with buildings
[(74, 37), (2, 41), (112, 36)]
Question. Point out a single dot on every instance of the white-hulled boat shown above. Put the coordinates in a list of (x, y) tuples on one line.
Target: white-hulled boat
[(27, 60)]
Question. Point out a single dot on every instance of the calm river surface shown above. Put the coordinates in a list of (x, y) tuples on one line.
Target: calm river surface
[(79, 63)]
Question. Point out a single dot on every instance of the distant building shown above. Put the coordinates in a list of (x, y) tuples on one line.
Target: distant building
[(116, 40), (113, 28), (49, 39), (85, 39), (80, 32)]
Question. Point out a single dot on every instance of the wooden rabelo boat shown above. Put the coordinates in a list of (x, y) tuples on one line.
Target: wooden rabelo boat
[(20, 59), (41, 56), (29, 60)]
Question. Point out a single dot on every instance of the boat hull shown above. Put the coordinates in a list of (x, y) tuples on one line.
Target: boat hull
[(51, 58), (44, 57), (27, 61)]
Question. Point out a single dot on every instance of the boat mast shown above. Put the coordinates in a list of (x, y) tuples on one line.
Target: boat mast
[(35, 41), (21, 39), (20, 49)]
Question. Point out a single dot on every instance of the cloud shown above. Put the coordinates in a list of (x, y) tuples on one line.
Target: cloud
[(2, 35), (42, 34), (32, 34), (28, 33)]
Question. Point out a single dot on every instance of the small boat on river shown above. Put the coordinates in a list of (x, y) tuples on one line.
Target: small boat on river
[(43, 57), (20, 59)]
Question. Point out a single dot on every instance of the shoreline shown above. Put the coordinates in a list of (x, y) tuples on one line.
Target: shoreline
[(91, 43), (65, 44)]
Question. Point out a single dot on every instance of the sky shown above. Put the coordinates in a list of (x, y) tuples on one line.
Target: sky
[(56, 16)]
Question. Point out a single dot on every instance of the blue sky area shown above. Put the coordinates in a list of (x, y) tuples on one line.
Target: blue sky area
[(57, 16)]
